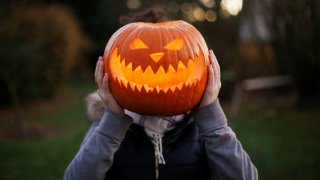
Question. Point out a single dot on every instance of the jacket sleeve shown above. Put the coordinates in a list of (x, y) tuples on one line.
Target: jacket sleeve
[(226, 156), (95, 155)]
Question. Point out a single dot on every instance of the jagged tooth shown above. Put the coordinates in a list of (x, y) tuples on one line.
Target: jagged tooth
[(118, 58), (137, 69), (124, 82), (153, 89), (118, 80), (148, 70), (135, 66), (144, 67), (171, 69), (129, 66), (173, 88), (114, 78), (186, 85), (165, 90), (118, 52), (127, 62), (181, 66), (146, 88), (155, 69), (180, 85), (123, 63), (165, 68), (196, 81), (158, 89), (160, 71), (175, 66), (132, 85), (139, 87), (192, 83)]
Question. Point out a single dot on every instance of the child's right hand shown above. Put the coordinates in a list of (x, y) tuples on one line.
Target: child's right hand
[(102, 79)]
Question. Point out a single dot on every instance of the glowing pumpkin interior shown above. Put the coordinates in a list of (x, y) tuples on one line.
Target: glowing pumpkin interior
[(152, 66)]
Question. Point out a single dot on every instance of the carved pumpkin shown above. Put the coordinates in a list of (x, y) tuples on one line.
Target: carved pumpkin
[(157, 68)]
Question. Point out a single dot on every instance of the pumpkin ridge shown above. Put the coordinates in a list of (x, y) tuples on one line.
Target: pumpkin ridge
[(126, 39), (188, 46)]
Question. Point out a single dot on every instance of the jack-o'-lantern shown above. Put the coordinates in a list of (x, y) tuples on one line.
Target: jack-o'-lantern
[(157, 68)]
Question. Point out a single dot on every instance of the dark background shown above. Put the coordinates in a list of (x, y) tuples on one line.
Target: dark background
[(48, 51)]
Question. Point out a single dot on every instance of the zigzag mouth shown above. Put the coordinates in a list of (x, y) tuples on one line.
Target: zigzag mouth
[(182, 76)]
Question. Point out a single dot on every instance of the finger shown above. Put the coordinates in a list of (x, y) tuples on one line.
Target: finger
[(216, 66), (211, 75), (218, 75), (209, 56), (100, 73), (213, 63), (105, 83), (100, 92), (105, 87), (96, 70)]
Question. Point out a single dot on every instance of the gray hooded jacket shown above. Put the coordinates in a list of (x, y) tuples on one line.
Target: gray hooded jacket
[(96, 154)]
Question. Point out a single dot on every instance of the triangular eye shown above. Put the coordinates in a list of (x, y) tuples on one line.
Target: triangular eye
[(137, 43), (175, 44)]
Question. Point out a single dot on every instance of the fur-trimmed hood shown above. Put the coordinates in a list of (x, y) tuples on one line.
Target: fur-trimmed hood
[(95, 106)]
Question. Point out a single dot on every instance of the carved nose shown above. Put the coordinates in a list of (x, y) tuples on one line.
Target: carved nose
[(156, 56)]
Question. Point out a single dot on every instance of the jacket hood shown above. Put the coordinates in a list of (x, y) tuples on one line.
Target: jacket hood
[(94, 106)]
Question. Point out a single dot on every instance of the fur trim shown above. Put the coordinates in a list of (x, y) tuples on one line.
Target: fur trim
[(95, 106)]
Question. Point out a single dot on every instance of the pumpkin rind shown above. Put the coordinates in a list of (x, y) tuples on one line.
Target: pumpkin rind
[(157, 68)]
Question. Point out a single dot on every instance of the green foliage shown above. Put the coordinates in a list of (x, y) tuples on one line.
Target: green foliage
[(39, 47)]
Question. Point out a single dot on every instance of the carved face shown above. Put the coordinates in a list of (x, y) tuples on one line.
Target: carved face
[(157, 69)]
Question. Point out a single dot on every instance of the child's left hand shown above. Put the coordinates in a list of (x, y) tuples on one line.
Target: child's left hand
[(214, 82)]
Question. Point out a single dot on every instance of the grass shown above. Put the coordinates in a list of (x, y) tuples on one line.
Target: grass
[(47, 156), (282, 142)]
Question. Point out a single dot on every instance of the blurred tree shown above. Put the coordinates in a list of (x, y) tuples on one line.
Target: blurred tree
[(39, 47), (99, 18), (256, 52), (295, 28)]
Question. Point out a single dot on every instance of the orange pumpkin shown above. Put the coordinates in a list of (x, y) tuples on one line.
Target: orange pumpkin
[(157, 68)]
